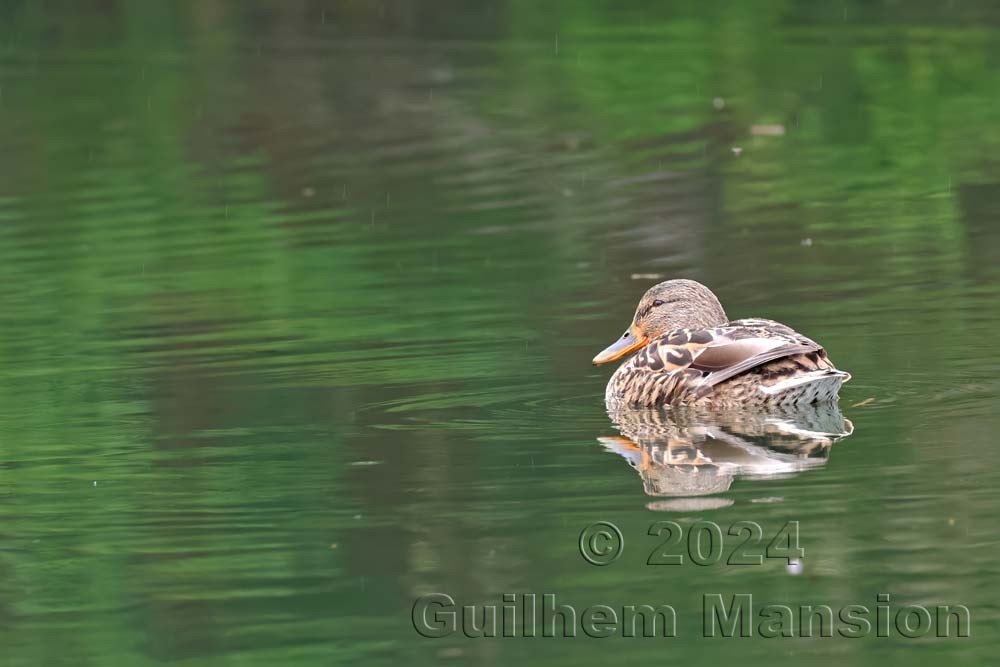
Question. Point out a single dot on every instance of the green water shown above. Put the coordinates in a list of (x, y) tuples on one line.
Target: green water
[(298, 303)]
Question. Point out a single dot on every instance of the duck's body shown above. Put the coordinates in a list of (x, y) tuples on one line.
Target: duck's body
[(709, 361), (744, 362)]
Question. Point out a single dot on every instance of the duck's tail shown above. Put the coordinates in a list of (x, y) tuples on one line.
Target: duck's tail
[(817, 386)]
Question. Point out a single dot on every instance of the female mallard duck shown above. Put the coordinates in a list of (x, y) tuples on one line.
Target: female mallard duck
[(687, 352)]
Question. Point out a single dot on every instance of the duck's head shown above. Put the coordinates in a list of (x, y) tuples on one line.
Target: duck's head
[(673, 304)]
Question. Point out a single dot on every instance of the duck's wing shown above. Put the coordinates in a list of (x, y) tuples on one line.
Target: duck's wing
[(684, 364)]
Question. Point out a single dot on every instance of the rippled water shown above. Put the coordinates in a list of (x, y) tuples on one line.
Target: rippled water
[(299, 303)]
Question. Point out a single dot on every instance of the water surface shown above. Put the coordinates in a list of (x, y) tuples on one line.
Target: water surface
[(299, 302)]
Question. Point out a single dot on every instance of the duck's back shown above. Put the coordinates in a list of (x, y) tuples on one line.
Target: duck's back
[(745, 362)]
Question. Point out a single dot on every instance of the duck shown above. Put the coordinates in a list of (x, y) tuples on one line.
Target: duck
[(682, 349)]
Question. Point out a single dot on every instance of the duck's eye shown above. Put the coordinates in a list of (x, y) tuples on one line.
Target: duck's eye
[(656, 303)]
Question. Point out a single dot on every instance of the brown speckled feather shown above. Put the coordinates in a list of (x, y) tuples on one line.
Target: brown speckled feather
[(751, 361)]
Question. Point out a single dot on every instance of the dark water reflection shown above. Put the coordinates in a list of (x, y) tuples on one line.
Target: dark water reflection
[(299, 301)]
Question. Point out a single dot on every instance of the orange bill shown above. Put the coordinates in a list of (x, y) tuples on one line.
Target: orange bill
[(631, 340)]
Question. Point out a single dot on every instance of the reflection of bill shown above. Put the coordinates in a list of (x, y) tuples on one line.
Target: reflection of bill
[(687, 454)]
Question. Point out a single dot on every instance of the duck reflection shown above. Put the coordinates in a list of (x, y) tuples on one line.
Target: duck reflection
[(686, 454)]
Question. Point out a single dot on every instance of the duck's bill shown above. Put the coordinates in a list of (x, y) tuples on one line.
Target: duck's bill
[(630, 341)]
